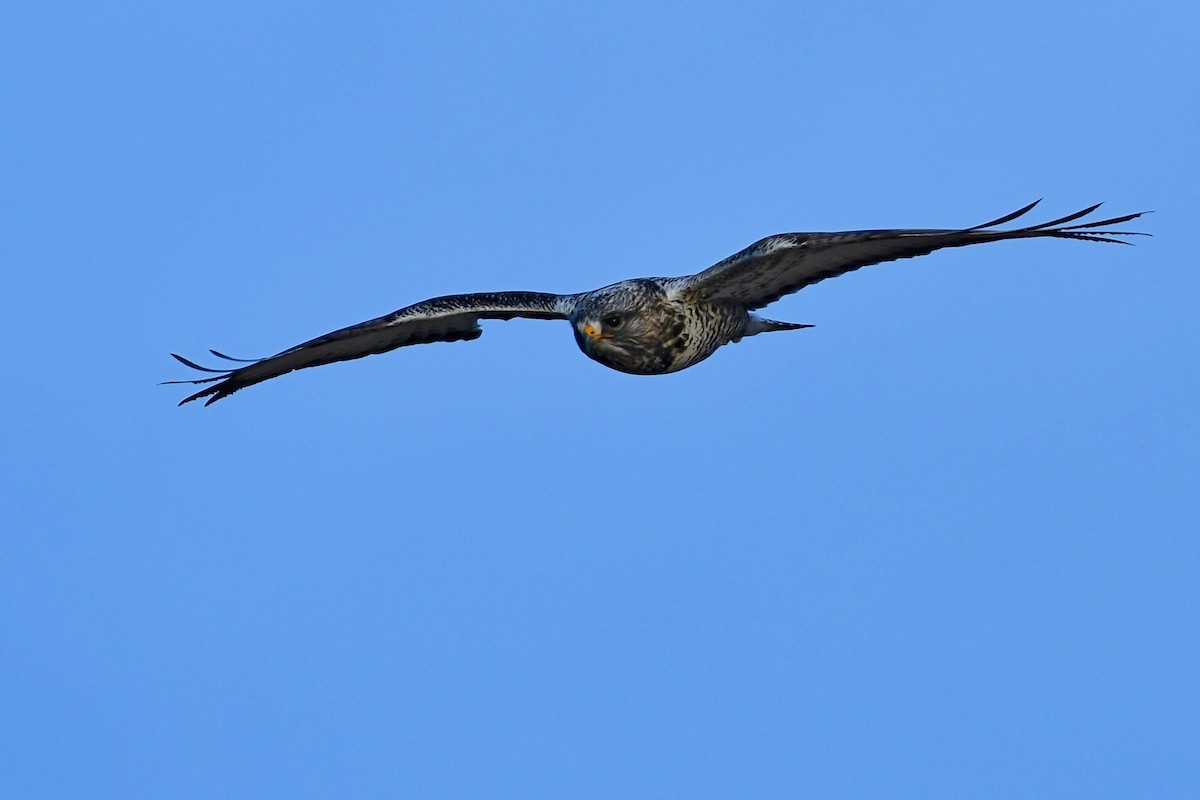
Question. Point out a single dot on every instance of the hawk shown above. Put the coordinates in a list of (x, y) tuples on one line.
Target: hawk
[(651, 326)]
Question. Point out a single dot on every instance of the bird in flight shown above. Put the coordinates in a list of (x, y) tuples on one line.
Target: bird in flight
[(651, 326)]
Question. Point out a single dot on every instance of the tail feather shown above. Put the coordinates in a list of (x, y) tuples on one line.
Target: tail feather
[(758, 325)]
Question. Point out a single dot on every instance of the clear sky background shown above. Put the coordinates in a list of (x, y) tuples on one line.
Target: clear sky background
[(944, 544)]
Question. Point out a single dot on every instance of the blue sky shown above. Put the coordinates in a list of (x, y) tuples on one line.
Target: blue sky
[(944, 544)]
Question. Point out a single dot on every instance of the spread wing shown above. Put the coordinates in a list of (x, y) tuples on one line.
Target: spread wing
[(779, 265), (442, 319)]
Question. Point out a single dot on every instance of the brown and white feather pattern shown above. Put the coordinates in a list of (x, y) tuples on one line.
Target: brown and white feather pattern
[(785, 263), (651, 326)]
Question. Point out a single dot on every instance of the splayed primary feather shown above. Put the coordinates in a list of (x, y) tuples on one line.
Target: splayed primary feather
[(651, 326)]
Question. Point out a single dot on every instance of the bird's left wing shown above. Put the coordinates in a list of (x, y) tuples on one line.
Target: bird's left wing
[(779, 265), (442, 319)]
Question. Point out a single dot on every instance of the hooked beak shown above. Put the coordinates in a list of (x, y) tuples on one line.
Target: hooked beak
[(595, 333)]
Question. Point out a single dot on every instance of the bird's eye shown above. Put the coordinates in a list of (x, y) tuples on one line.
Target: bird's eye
[(613, 321)]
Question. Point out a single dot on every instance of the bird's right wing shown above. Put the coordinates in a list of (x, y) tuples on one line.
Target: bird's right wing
[(442, 319), (779, 265)]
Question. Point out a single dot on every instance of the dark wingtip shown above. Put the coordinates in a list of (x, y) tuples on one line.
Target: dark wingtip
[(213, 390), (1113, 221), (1093, 231), (194, 365), (219, 354), (1061, 221), (1020, 212)]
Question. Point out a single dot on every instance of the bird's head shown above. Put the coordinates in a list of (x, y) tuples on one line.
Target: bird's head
[(619, 326)]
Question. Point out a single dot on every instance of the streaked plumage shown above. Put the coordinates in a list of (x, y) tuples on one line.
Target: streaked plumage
[(651, 326)]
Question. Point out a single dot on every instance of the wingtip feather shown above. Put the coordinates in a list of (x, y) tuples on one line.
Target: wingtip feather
[(219, 354), (194, 365), (1020, 212)]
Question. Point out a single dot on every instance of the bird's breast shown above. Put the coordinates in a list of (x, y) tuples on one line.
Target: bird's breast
[(668, 338)]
